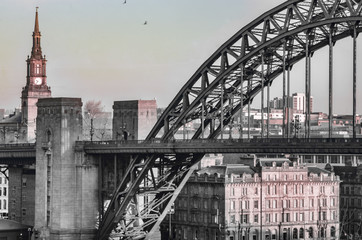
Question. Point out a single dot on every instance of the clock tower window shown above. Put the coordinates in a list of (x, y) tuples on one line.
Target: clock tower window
[(37, 69)]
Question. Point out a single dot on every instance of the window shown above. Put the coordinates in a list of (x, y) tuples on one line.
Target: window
[(333, 231), (287, 217), (334, 215), (275, 205), (295, 233), (256, 191), (301, 233), (285, 189), (311, 216), (301, 217), (267, 217), (247, 206), (232, 205), (5, 191), (246, 218), (295, 203), (24, 182), (256, 218), (311, 202), (232, 219), (301, 204), (23, 211), (256, 204), (311, 189), (37, 69)]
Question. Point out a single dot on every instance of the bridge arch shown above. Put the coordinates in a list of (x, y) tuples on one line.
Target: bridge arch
[(232, 77), (253, 58)]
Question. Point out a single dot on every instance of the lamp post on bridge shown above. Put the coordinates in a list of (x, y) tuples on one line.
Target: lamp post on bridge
[(296, 125)]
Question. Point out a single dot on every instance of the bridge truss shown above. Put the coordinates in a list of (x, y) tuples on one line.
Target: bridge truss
[(243, 67)]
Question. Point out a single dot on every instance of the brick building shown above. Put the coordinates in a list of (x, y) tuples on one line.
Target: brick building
[(275, 199)]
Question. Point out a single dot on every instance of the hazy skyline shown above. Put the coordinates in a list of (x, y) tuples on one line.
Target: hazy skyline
[(102, 50)]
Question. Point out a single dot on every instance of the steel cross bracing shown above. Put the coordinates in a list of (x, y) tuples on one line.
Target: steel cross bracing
[(230, 79)]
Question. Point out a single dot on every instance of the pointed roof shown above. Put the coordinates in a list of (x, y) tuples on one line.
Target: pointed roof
[(36, 26)]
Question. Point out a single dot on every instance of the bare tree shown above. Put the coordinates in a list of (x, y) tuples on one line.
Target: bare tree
[(93, 108), (96, 121)]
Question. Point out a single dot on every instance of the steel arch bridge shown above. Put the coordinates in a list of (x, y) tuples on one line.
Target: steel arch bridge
[(243, 67)]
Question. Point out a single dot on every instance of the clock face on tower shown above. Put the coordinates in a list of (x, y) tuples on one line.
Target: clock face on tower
[(37, 81)]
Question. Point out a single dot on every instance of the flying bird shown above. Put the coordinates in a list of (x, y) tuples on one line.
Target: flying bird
[(145, 23), (125, 1)]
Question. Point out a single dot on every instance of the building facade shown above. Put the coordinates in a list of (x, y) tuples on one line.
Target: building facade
[(350, 201), (276, 199)]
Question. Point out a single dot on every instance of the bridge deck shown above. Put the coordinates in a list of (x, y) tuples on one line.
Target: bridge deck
[(20, 153), (265, 146)]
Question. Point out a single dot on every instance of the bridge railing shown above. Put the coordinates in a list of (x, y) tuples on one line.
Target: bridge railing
[(17, 145), (226, 141)]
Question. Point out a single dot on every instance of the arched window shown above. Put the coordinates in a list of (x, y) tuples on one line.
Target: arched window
[(49, 136), (295, 233), (333, 231), (310, 232), (301, 233)]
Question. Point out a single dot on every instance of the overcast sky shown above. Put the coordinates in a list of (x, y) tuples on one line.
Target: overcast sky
[(101, 49)]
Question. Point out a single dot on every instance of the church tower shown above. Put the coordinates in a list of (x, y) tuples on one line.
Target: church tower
[(36, 85)]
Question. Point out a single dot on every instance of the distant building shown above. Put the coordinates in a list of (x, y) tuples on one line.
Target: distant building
[(276, 199), (350, 201)]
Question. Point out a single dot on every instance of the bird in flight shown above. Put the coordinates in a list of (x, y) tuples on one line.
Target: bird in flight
[(125, 1), (145, 23)]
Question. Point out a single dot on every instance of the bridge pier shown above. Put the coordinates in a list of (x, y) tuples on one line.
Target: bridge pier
[(66, 197)]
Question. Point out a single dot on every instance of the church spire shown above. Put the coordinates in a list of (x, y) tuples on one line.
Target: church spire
[(36, 50), (36, 26)]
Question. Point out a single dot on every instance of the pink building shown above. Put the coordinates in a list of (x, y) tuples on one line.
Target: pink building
[(275, 199)]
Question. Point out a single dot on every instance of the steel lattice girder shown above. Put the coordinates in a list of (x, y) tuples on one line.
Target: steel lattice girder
[(232, 76)]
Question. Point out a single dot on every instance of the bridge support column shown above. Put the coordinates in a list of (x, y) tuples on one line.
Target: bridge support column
[(66, 193), (284, 87), (330, 82), (241, 99), (354, 79), (288, 103), (249, 118), (262, 93), (307, 86)]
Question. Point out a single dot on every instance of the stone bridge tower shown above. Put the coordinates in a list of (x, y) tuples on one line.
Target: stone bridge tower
[(66, 198)]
